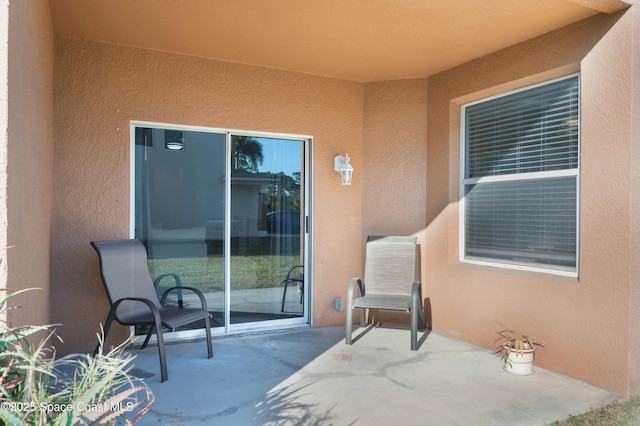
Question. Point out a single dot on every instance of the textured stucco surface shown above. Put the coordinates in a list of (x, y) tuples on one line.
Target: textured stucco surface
[(26, 161), (356, 40), (634, 271), (101, 87), (4, 124), (395, 154), (580, 321)]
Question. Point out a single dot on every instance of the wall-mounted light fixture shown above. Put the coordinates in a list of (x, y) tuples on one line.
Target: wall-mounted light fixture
[(341, 164)]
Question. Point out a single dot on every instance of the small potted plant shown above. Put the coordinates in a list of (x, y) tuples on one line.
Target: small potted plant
[(516, 351)]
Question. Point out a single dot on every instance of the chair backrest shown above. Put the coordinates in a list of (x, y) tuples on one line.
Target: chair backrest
[(390, 265), (124, 270)]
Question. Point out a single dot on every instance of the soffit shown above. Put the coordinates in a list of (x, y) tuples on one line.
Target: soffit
[(357, 40)]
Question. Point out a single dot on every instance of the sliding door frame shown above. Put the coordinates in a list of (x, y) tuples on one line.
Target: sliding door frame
[(306, 176)]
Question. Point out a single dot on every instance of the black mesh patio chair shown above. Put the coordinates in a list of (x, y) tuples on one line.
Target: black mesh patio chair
[(133, 298), (294, 276), (389, 283)]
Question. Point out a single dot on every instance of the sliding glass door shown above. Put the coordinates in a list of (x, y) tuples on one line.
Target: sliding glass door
[(224, 212), (267, 228)]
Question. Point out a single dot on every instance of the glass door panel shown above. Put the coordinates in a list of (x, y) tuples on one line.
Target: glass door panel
[(180, 213), (267, 210)]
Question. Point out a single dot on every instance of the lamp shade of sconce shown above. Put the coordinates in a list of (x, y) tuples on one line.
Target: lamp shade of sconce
[(341, 165)]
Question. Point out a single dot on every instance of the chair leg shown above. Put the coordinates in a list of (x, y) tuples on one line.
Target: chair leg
[(414, 329), (354, 284), (161, 352), (416, 314), (284, 295), (207, 326), (421, 325), (146, 340), (348, 325)]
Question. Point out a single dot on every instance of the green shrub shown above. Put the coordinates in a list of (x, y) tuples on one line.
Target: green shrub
[(38, 389)]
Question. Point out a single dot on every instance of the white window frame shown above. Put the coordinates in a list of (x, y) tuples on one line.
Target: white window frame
[(464, 182)]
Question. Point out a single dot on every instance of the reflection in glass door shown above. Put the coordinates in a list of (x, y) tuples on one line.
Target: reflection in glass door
[(223, 213), (266, 262)]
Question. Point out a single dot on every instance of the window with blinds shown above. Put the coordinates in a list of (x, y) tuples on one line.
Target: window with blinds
[(520, 174)]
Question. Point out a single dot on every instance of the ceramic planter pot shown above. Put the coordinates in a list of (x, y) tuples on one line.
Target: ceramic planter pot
[(519, 362)]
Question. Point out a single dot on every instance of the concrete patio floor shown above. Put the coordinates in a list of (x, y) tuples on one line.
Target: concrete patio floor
[(310, 377)]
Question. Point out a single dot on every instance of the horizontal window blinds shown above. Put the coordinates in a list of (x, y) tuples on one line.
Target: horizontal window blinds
[(530, 221), (527, 143), (531, 131)]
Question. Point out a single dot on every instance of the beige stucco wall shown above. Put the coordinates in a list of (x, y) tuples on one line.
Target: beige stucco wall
[(4, 124), (582, 322), (634, 272), (100, 88), (395, 153), (26, 157)]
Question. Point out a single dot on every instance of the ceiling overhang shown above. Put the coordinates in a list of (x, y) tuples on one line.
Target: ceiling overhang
[(356, 40)]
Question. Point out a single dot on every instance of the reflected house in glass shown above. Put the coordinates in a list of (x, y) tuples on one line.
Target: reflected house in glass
[(283, 222)]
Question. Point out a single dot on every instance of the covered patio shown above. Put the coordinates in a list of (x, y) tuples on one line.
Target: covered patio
[(310, 377), (387, 83)]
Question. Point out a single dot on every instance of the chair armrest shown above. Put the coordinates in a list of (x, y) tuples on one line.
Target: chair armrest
[(352, 285), (203, 301), (176, 279), (177, 284), (416, 292), (289, 278), (149, 303), (155, 312)]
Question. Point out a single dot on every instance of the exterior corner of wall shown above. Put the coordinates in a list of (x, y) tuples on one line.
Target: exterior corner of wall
[(27, 163)]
